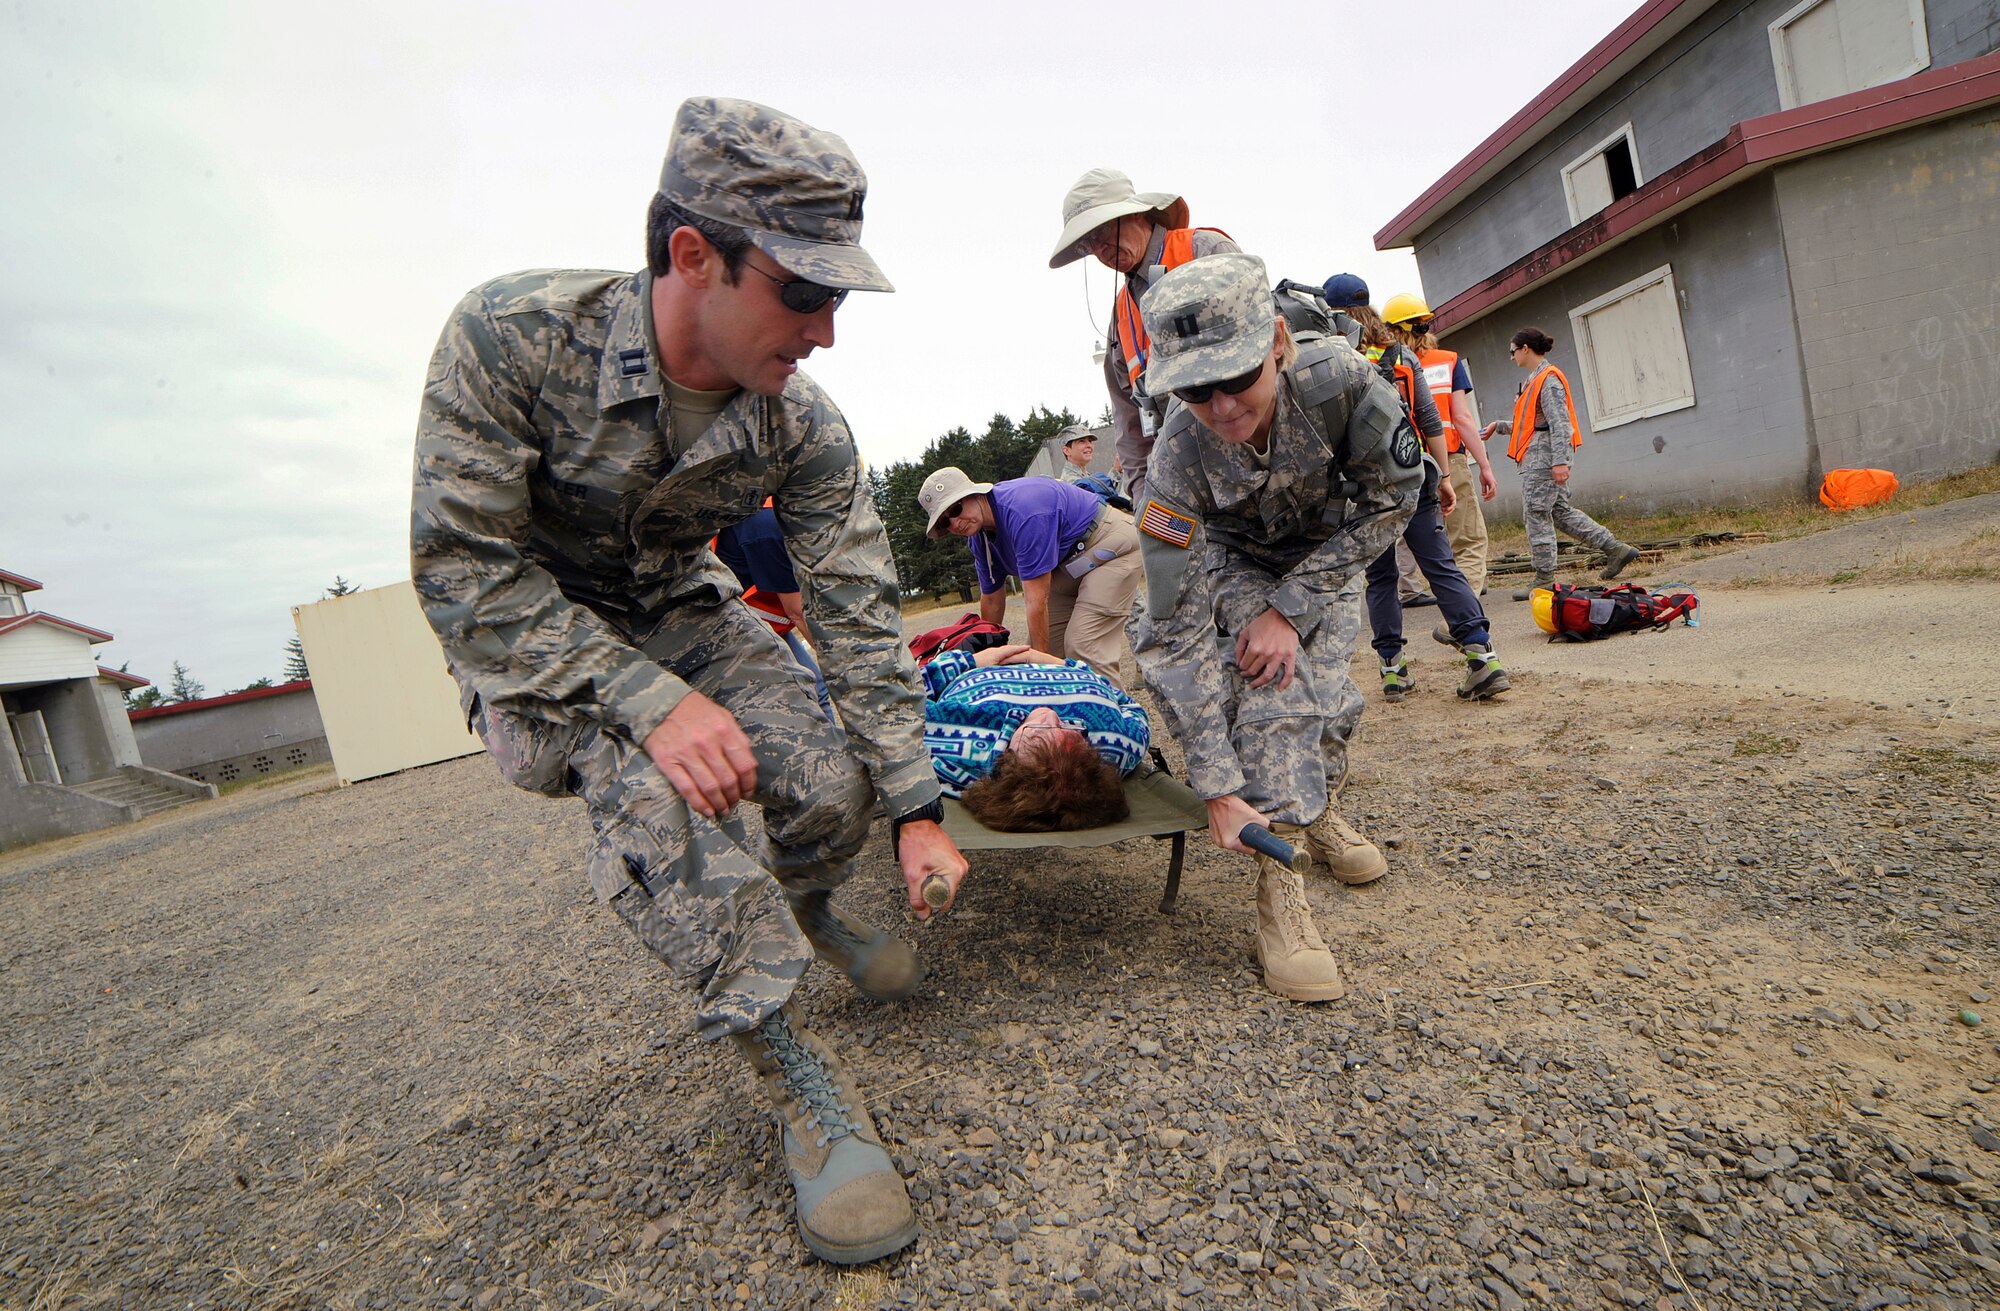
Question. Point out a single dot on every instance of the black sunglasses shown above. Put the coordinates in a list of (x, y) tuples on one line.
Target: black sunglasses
[(800, 296), (1232, 386)]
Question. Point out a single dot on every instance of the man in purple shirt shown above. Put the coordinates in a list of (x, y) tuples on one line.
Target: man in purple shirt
[(1077, 559)]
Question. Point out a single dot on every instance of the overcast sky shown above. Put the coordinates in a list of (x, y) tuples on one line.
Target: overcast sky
[(232, 232)]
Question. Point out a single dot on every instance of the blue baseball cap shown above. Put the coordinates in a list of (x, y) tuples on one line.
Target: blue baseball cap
[(1344, 290)]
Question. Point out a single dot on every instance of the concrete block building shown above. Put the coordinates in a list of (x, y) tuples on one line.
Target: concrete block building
[(224, 739), (68, 759), (1762, 235)]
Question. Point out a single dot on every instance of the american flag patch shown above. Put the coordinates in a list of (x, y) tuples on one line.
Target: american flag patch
[(1164, 524)]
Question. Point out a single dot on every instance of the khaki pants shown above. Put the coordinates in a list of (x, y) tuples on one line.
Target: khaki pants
[(1465, 526), (1087, 615)]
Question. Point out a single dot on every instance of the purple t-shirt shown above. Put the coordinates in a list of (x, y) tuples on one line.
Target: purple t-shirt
[(1035, 520)]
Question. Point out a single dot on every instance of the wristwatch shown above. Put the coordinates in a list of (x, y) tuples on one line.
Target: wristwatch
[(933, 811)]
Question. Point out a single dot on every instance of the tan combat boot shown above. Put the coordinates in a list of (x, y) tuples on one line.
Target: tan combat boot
[(1339, 851), (1294, 957), (852, 1206)]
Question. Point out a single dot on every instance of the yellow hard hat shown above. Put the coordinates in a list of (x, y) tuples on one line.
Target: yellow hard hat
[(1544, 602), (1405, 308)]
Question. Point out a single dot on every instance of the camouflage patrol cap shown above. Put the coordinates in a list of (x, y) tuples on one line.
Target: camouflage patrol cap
[(795, 191), (1210, 320)]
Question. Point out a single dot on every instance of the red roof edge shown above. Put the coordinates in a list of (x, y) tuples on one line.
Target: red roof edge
[(24, 583), (1628, 33), (42, 616), (249, 694), (120, 676), (1750, 147)]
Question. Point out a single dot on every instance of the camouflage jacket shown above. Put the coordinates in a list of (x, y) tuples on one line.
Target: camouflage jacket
[(557, 524), (1342, 479)]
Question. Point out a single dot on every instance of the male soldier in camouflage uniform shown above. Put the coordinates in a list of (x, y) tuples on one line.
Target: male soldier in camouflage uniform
[(1281, 470), (583, 437)]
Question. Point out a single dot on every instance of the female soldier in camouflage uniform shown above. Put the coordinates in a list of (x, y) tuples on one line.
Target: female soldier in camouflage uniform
[(1281, 470)]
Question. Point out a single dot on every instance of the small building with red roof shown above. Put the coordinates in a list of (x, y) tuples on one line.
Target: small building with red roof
[(69, 762), (1762, 236)]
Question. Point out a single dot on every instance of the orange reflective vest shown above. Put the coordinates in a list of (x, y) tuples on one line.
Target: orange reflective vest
[(1406, 378), (1132, 338), (1525, 413), (1439, 366)]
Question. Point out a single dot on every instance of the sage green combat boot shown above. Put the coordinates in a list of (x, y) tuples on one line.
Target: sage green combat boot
[(852, 1206), (877, 962), (1616, 559), (1539, 580), (1294, 957)]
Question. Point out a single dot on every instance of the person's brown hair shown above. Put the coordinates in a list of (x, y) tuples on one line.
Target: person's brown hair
[(1374, 332), (1288, 350), (1535, 340), (1062, 787)]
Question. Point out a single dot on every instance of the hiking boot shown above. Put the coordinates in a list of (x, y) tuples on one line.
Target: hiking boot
[(1442, 633), (1539, 580), (1616, 559), (1418, 601), (1484, 678), (1396, 681), (1337, 850), (879, 964), (1293, 956), (852, 1206)]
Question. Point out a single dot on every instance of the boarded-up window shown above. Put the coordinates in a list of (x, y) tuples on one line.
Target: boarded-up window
[(1826, 48), (1634, 356), (1606, 172)]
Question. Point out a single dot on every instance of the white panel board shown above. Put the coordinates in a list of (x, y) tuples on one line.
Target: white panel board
[(384, 694), (1633, 352)]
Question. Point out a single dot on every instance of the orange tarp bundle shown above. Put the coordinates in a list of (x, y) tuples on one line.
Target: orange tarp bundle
[(1850, 489)]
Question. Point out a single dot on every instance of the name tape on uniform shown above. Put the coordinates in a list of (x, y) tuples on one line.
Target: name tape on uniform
[(1166, 525)]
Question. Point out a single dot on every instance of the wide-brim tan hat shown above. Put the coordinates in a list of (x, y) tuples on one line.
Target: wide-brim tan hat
[(942, 490), (1098, 197)]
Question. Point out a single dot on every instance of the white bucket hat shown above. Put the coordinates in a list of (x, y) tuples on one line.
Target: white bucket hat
[(942, 490), (1104, 194)]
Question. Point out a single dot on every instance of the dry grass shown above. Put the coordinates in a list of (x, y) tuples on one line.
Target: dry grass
[(1781, 519), (259, 781)]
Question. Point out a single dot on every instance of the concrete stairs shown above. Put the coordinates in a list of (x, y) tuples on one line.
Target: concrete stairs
[(143, 794)]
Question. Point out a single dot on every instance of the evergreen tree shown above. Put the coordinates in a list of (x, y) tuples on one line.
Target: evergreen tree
[(253, 686), (341, 587), (145, 699), (295, 660), (184, 687)]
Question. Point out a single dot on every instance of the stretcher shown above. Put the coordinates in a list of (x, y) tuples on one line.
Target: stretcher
[(1163, 807)]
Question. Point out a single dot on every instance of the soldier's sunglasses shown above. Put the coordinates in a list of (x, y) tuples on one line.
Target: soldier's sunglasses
[(800, 296), (1231, 386)]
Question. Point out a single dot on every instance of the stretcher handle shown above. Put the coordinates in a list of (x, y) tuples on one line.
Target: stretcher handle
[(936, 891), (1266, 843)]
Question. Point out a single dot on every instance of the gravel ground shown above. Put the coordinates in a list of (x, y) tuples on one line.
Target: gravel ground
[(1661, 1006)]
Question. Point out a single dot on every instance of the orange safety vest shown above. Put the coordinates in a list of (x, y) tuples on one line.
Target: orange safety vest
[(1132, 338), (1439, 366), (1525, 412), (1406, 378)]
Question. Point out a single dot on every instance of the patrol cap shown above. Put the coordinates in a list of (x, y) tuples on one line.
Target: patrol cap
[(942, 490), (1078, 432), (1210, 320), (1345, 291), (795, 191)]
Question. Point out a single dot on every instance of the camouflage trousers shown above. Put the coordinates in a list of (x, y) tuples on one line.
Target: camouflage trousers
[(698, 893), (1546, 508), (1290, 742)]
